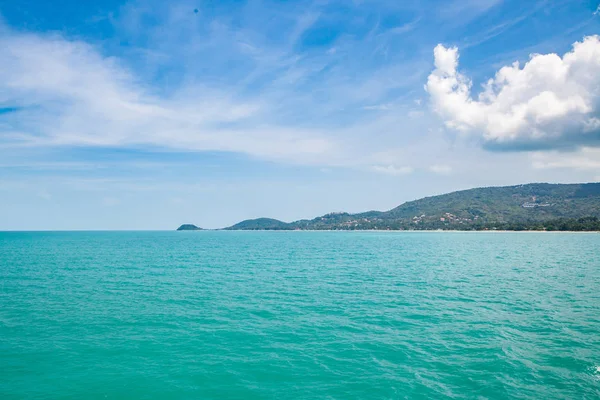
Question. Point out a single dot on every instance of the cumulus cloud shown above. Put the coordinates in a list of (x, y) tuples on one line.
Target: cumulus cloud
[(549, 102)]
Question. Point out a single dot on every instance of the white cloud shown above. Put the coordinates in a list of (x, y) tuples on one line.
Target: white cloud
[(392, 170), (551, 102), (409, 26), (470, 8), (584, 159), (378, 107), (67, 93), (441, 169)]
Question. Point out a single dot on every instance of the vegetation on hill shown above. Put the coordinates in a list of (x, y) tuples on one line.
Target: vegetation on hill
[(260, 224), (189, 227), (538, 206)]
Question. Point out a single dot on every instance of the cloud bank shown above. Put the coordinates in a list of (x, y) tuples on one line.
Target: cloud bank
[(551, 102), (59, 92)]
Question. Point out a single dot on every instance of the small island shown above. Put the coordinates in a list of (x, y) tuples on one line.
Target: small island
[(189, 227)]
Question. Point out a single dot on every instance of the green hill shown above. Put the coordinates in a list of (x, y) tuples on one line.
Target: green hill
[(531, 206), (260, 224), (189, 227), (511, 204)]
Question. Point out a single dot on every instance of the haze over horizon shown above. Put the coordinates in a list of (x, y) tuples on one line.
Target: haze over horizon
[(147, 115)]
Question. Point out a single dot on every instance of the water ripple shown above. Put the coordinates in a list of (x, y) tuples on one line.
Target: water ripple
[(308, 315)]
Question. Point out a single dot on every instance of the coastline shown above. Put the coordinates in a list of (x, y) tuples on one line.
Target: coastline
[(396, 230)]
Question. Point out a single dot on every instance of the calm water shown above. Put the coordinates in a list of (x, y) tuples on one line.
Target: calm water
[(307, 315)]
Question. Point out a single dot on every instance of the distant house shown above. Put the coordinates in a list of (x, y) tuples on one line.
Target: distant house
[(533, 205)]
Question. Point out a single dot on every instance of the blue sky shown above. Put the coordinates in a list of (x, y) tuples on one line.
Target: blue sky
[(149, 114)]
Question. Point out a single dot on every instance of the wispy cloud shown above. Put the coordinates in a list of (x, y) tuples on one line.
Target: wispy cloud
[(82, 97), (463, 11), (79, 97), (392, 169), (585, 159), (404, 28), (492, 32), (441, 169), (378, 107)]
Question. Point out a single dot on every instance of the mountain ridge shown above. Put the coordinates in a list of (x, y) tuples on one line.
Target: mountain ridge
[(539, 206)]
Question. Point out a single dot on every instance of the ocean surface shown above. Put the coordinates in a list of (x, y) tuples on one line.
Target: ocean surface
[(299, 315)]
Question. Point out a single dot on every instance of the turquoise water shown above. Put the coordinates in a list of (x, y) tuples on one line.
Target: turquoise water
[(299, 315)]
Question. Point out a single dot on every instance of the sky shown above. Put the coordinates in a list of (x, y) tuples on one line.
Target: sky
[(150, 114)]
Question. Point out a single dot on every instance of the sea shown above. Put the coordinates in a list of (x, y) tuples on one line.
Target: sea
[(299, 315)]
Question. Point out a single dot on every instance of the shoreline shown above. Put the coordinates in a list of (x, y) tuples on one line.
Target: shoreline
[(292, 230), (395, 231)]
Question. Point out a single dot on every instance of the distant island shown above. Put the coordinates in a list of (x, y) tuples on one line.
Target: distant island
[(189, 227), (535, 206)]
